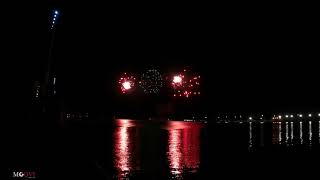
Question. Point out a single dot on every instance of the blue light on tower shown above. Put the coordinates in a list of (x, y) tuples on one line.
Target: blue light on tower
[(55, 16)]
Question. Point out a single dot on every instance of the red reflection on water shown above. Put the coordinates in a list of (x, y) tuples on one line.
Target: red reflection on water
[(276, 133), (122, 149), (126, 147), (175, 150), (184, 149), (191, 147)]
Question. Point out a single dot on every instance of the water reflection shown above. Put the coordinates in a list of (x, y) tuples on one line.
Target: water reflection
[(262, 134), (131, 138), (276, 133), (291, 132), (172, 148), (183, 150), (280, 133), (126, 148), (287, 133), (300, 132), (122, 151), (175, 151), (304, 133), (250, 135), (310, 133)]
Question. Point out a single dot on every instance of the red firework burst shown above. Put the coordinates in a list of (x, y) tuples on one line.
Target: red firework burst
[(186, 85), (126, 83)]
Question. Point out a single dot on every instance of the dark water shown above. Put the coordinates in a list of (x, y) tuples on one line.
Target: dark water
[(191, 150), (133, 149), (169, 149)]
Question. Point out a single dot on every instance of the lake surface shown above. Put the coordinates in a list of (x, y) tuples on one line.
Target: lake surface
[(189, 150)]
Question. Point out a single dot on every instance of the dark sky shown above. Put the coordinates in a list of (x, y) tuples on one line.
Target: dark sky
[(249, 57)]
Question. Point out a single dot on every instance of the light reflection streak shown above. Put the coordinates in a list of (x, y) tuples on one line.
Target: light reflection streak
[(287, 133), (261, 134), (184, 150), (122, 151), (280, 133), (191, 146), (291, 132), (300, 132), (275, 135), (175, 154), (250, 135), (310, 133)]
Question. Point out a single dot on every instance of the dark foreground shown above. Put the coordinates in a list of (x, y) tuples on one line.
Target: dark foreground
[(166, 150)]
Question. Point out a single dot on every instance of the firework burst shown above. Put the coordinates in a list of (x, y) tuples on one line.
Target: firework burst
[(185, 85), (126, 83), (151, 81)]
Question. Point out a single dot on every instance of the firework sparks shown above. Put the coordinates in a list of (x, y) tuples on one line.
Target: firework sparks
[(185, 85), (151, 81), (126, 83)]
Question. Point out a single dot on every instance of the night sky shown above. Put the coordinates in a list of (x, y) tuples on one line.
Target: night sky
[(249, 58)]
